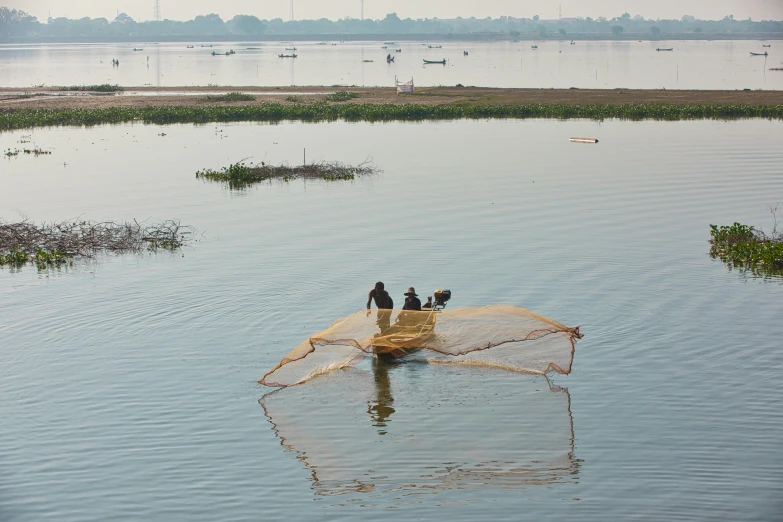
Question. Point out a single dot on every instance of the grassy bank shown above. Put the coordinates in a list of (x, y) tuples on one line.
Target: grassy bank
[(28, 118)]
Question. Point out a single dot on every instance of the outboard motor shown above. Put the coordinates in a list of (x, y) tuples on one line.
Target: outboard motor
[(441, 298)]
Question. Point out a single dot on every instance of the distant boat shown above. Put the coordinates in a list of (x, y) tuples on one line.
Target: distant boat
[(389, 59), (573, 42), (436, 47), (464, 53), (442, 62), (190, 47), (762, 45), (759, 54), (287, 55), (206, 46), (534, 47), (290, 48), (398, 50), (384, 47), (663, 49), (137, 49), (389, 43)]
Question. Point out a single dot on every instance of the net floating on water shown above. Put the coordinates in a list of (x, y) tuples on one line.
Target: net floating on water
[(496, 335)]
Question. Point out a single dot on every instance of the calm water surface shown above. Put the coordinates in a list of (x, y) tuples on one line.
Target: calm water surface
[(129, 383), (601, 64)]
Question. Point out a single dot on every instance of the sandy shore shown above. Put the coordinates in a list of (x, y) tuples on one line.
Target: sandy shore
[(42, 98)]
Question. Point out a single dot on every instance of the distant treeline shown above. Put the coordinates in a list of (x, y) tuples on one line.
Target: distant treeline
[(18, 24)]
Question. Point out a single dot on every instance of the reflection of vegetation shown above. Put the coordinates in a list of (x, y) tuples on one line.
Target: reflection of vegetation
[(271, 111), (341, 96), (55, 244), (745, 248), (240, 175), (104, 87), (229, 97)]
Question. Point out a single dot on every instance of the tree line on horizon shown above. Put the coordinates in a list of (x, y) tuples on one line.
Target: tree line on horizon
[(17, 23)]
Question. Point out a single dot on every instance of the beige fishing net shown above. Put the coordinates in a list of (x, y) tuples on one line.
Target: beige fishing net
[(498, 335)]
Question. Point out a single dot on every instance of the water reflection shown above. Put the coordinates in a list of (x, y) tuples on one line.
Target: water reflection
[(457, 428)]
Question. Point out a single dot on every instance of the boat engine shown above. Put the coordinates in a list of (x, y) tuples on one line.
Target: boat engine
[(441, 298)]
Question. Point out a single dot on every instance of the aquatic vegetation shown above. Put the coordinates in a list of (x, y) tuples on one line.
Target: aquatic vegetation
[(748, 249), (293, 99), (104, 87), (341, 96), (240, 175), (273, 111), (229, 97), (36, 151), (55, 244)]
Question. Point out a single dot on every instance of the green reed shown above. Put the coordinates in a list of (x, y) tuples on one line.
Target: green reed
[(745, 248), (11, 119)]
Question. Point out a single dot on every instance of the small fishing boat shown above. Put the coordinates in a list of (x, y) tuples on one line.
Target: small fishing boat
[(664, 49), (384, 47), (389, 59), (759, 54), (287, 55), (573, 42), (398, 50), (206, 46), (442, 62), (763, 45), (190, 47), (534, 47), (290, 48), (137, 49), (436, 47), (464, 53)]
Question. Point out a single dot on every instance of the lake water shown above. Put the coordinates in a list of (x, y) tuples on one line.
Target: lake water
[(129, 382), (600, 64)]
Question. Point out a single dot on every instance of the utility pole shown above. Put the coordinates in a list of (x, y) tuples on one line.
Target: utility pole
[(156, 10)]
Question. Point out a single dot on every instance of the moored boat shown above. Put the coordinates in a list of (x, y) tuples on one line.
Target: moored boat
[(664, 48), (442, 62), (759, 54)]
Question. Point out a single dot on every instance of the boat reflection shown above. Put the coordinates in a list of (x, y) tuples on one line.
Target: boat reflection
[(402, 427)]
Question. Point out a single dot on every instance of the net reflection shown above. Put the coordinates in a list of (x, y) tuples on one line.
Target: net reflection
[(404, 427)]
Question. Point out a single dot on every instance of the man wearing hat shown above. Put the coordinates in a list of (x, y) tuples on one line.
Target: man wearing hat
[(412, 300)]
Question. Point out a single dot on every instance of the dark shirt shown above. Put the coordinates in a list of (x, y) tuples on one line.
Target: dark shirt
[(412, 303), (382, 299)]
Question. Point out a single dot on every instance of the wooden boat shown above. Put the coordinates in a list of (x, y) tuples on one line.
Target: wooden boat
[(759, 54), (442, 62), (290, 48), (762, 45), (436, 47), (287, 55), (384, 47), (664, 49)]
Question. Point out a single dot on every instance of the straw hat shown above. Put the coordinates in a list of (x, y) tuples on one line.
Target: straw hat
[(411, 291)]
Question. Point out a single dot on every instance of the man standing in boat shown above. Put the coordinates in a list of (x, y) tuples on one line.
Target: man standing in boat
[(384, 303)]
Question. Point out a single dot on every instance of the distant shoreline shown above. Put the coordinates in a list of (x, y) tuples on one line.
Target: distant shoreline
[(473, 37)]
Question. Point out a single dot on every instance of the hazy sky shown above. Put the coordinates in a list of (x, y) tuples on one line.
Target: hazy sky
[(334, 9)]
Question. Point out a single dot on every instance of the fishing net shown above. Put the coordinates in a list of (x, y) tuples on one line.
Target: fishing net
[(387, 433), (497, 335)]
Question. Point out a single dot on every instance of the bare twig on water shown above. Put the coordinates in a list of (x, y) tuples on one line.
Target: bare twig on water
[(55, 242)]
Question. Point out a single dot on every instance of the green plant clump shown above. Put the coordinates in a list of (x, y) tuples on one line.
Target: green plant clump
[(273, 111), (229, 97), (293, 99), (745, 248), (341, 96), (104, 87), (14, 258), (240, 175)]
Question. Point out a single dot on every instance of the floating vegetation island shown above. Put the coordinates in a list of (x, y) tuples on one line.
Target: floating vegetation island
[(747, 249), (36, 151), (229, 97), (104, 87), (240, 175), (274, 111), (58, 243)]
